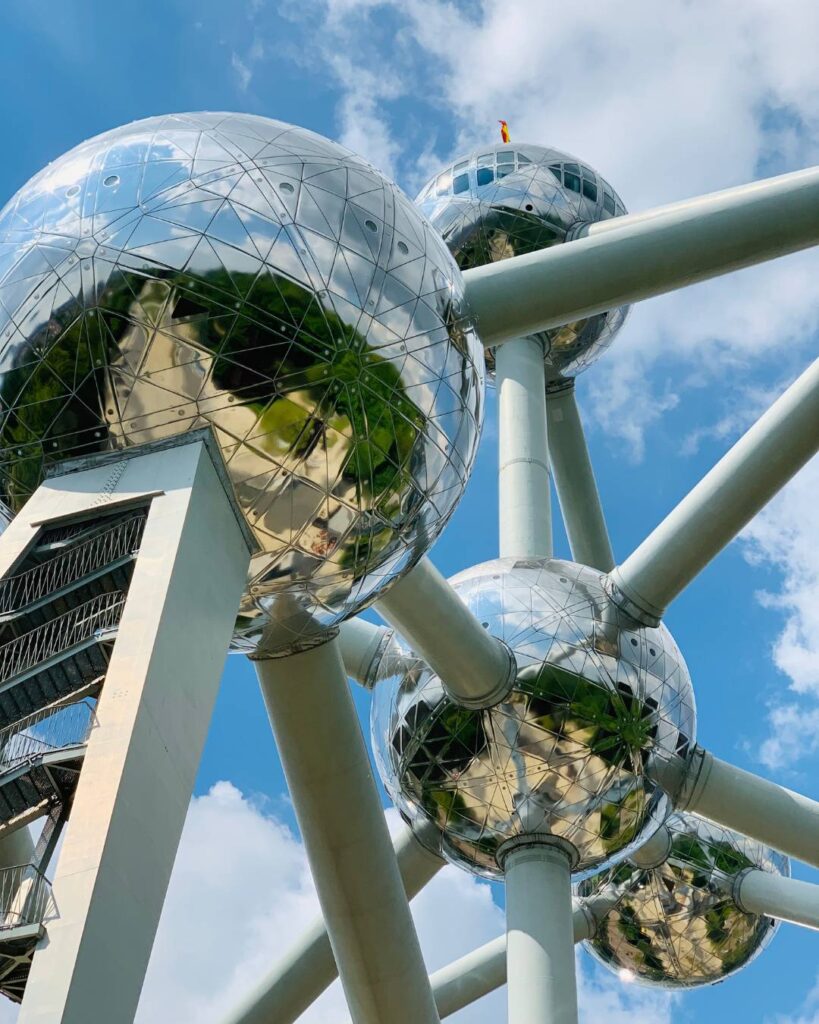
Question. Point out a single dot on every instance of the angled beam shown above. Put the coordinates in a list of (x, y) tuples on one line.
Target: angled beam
[(574, 480), (763, 892), (644, 255), (309, 967), (361, 644), (713, 513), (345, 836), (477, 669), (484, 969), (523, 464), (744, 802)]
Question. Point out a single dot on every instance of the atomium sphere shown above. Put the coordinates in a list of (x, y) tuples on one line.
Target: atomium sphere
[(509, 200), (564, 753), (678, 925), (231, 271)]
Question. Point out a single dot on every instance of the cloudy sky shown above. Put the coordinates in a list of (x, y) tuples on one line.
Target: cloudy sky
[(668, 101)]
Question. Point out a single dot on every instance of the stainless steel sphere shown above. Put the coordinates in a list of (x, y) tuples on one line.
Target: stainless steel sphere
[(678, 925), (564, 753), (233, 271), (508, 200)]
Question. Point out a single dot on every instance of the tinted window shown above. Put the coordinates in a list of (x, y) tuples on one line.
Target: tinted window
[(574, 168), (505, 169), (556, 171), (506, 156), (590, 190), (460, 183), (460, 166), (608, 203), (486, 158), (572, 180), (485, 175)]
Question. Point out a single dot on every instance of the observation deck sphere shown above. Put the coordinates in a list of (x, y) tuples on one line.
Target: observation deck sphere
[(508, 200), (564, 753), (678, 925), (232, 271)]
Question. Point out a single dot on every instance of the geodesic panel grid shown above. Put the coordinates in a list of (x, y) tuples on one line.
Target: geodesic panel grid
[(564, 753), (233, 271), (508, 200), (678, 925)]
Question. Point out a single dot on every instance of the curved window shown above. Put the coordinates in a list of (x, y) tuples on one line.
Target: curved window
[(506, 156), (572, 181), (460, 183), (485, 176), (590, 190), (443, 183), (608, 203)]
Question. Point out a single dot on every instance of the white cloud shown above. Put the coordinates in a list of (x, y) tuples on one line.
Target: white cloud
[(666, 107), (241, 893), (783, 536)]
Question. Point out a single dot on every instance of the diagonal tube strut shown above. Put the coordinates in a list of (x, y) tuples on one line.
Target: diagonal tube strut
[(742, 801), (712, 514), (476, 669), (309, 967), (345, 836), (643, 255), (574, 480)]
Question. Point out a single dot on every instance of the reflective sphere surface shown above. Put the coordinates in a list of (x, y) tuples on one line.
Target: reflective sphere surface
[(508, 200), (564, 752), (678, 925), (237, 272)]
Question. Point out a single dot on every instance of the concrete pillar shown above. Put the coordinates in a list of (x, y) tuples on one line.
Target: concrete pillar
[(153, 715)]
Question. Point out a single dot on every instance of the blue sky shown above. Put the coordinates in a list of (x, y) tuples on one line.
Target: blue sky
[(708, 96)]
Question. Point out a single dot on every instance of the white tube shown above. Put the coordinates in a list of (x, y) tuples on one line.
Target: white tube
[(644, 256), (712, 514), (574, 481), (654, 851), (523, 464), (476, 668), (763, 892), (539, 933), (484, 969), (309, 967), (361, 643), (345, 836), (753, 806)]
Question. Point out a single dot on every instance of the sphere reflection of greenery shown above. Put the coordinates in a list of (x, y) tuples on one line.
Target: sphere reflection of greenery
[(678, 925), (565, 751), (346, 385)]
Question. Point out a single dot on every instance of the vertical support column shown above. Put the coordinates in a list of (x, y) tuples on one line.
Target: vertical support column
[(523, 470), (539, 932), (345, 835), (575, 483), (153, 715)]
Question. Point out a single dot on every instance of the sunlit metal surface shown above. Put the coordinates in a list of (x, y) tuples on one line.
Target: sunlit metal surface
[(235, 271), (508, 200), (678, 925), (565, 752)]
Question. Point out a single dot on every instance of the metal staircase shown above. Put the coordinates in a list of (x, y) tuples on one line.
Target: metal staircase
[(59, 613)]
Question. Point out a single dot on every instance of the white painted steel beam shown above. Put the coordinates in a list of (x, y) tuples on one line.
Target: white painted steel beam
[(539, 933), (748, 804), (477, 669), (152, 718), (712, 514), (523, 464), (361, 643), (574, 481), (633, 258), (763, 892), (345, 836), (480, 972), (309, 967)]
